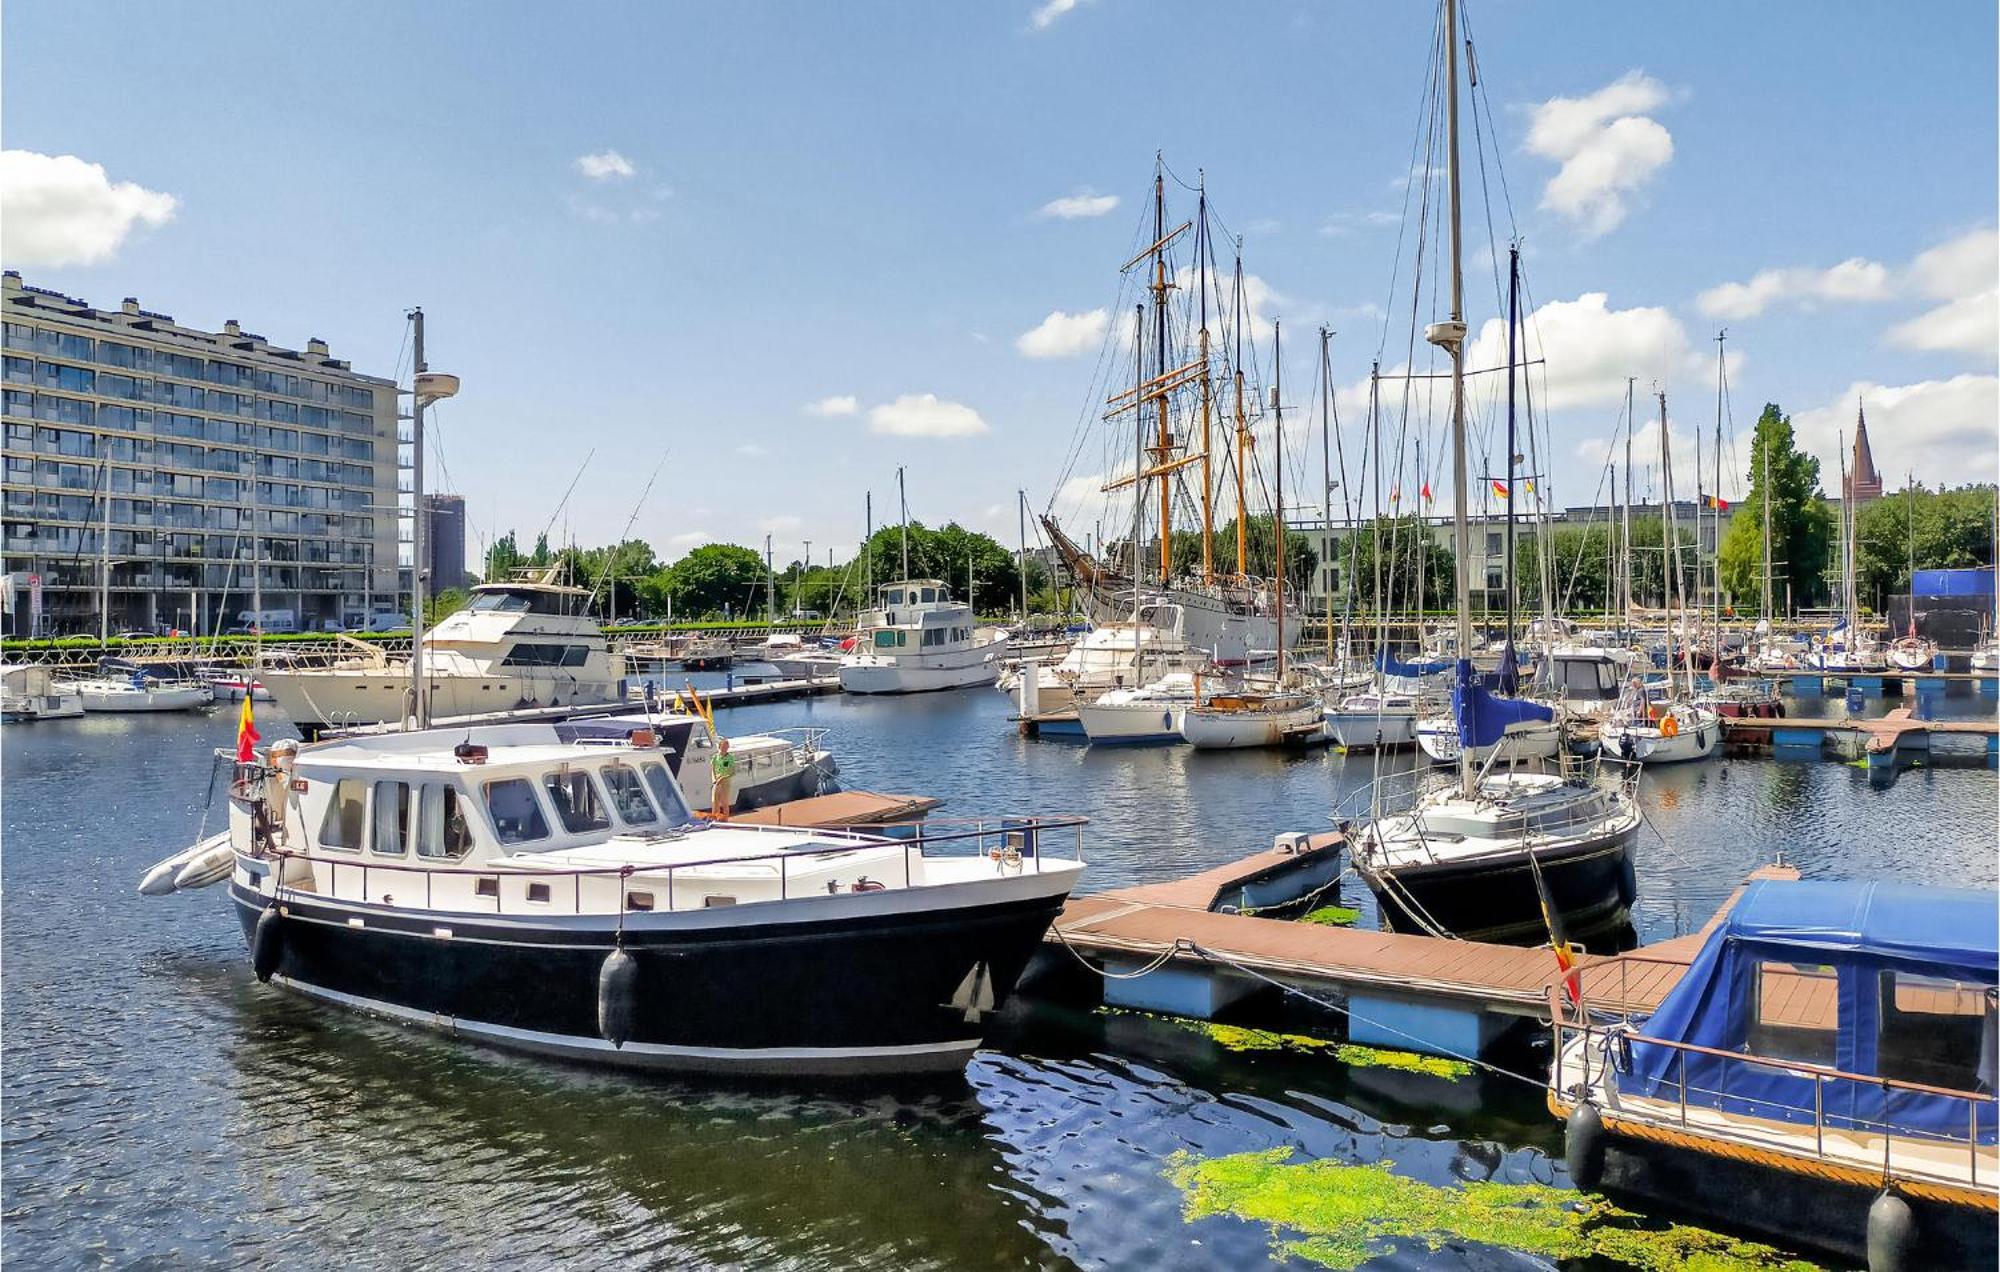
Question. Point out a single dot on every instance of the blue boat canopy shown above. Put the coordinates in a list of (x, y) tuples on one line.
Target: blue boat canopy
[(1421, 667), (1483, 716), (1878, 980)]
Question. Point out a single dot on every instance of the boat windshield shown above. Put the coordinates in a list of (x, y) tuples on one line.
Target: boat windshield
[(522, 601)]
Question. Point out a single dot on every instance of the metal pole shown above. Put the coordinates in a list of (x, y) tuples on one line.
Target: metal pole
[(1021, 510), (1513, 321), (419, 708), (1454, 343), (903, 499)]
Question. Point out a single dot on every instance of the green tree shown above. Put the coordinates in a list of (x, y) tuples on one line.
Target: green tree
[(944, 554), (1802, 530), (1579, 573), (716, 575), (438, 604), (1405, 546), (502, 557), (1951, 529), (541, 554)]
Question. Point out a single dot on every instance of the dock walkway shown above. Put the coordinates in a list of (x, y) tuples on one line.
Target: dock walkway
[(1127, 928)]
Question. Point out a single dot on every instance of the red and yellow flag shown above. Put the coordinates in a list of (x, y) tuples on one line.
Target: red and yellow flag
[(1499, 488), (247, 736)]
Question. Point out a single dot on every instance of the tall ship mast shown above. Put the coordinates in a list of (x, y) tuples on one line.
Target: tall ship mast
[(1231, 610)]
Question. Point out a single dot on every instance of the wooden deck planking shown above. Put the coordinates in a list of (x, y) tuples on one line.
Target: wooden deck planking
[(842, 808)]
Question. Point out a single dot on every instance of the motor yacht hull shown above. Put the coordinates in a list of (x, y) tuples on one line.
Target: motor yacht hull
[(879, 982), (870, 674), (343, 697), (1590, 883)]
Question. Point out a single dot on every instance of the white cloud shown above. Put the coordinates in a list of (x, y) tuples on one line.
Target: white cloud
[(1072, 207), (1854, 279), (1646, 451), (1589, 349), (1341, 223), (779, 524), (1062, 335), (925, 415), (1960, 273), (689, 539), (839, 404), (62, 210), (1941, 429), (605, 165), (1047, 12), (1608, 146)]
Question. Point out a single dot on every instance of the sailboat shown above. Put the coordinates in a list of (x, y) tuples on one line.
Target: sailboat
[(1664, 725), (1284, 713), (1846, 648), (1231, 617), (1486, 854), (1912, 652)]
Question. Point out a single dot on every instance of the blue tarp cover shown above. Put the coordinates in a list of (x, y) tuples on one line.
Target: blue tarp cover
[(1843, 939), (1391, 667), (1483, 716)]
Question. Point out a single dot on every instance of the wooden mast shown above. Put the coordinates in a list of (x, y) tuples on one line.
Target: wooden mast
[(1207, 393), (1163, 447), (1326, 467), (1242, 429), (1278, 480)]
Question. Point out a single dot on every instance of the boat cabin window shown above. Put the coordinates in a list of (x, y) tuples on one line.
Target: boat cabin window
[(928, 595), (442, 832), (890, 640), (1936, 1031), (894, 596), (517, 815), (525, 601), (1797, 1013), (578, 803), (628, 795), (392, 819), (538, 655), (666, 794), (1585, 678), (346, 815), (934, 635)]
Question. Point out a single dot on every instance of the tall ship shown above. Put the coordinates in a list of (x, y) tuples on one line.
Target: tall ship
[(1185, 448), (526, 642)]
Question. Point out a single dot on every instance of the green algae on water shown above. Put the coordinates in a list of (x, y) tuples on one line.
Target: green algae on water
[(1336, 1215), (1244, 1038), (1332, 916), (1406, 1061)]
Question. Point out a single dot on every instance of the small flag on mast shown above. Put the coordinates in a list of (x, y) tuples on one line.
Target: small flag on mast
[(1428, 496), (247, 736), (1499, 488)]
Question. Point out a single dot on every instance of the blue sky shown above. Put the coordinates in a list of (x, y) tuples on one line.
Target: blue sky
[(797, 203)]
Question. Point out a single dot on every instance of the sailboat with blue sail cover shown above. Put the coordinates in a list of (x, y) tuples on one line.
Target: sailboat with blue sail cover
[(1476, 851)]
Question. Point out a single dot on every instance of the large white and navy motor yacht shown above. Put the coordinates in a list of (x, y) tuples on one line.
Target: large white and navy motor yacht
[(523, 886)]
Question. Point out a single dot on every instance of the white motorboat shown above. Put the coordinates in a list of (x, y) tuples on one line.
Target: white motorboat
[(917, 639), (29, 691), (1913, 653), (1373, 719), (230, 685), (1119, 654), (1150, 713), (141, 692), (793, 657), (508, 886), (1586, 679), (773, 767), (527, 642)]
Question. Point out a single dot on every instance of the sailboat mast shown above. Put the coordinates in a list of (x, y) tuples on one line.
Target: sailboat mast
[(1242, 429), (1625, 526), (1375, 496), (1138, 486), (1021, 510), (1278, 481), (1764, 462), (104, 547), (1721, 405), (419, 709), (1164, 446), (1672, 555), (1201, 265), (1326, 464), (868, 548), (1513, 323), (1451, 335), (903, 504)]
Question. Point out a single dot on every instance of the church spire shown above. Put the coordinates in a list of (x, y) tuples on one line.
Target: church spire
[(1863, 482)]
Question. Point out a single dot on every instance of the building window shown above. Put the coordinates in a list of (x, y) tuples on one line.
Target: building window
[(1494, 545), (1495, 580)]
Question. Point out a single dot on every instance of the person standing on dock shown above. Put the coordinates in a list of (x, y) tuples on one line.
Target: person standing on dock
[(722, 769)]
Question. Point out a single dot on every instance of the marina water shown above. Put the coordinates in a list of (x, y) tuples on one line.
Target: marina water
[(164, 1108)]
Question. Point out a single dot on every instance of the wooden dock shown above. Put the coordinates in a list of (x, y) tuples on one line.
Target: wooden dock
[(842, 808), (1407, 991), (1879, 739)]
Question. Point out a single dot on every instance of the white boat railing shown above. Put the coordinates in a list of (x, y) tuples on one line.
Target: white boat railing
[(1012, 844)]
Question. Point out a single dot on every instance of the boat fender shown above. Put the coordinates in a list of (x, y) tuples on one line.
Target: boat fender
[(617, 989), (267, 943), (1583, 1147), (1892, 1234), (159, 880)]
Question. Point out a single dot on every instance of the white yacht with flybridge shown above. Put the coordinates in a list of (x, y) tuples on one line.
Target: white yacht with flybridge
[(917, 639)]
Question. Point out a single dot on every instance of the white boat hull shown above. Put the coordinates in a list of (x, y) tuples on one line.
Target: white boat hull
[(1370, 728), (1533, 740), (1211, 730), (56, 705), (377, 695), (1131, 722), (1649, 745), (124, 698)]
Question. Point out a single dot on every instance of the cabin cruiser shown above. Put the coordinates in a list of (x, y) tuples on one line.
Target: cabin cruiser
[(917, 639), (1649, 725), (511, 886), (1586, 679), (528, 642), (1150, 713), (1118, 654), (793, 657), (138, 691), (1487, 854), (29, 691), (1829, 1053)]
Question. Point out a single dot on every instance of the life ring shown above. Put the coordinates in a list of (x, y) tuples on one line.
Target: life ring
[(1669, 726)]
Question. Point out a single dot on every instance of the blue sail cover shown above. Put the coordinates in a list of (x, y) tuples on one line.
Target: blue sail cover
[(1483, 716), (1891, 980), (1412, 670)]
